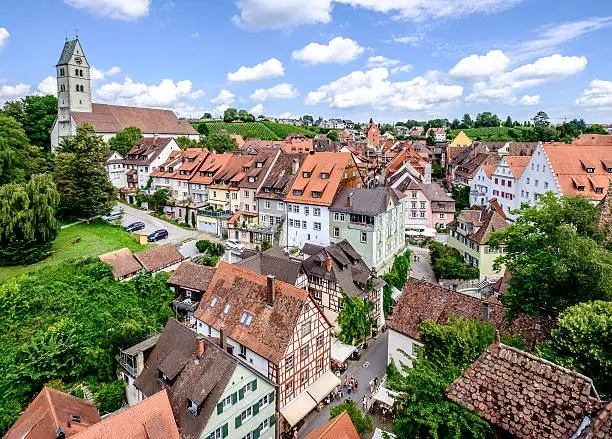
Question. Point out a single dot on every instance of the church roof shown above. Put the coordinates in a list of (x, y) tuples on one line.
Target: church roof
[(67, 52), (114, 118)]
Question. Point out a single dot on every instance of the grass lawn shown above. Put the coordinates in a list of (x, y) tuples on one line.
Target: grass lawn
[(97, 238)]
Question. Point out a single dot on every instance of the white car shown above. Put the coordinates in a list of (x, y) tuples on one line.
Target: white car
[(114, 215), (234, 245)]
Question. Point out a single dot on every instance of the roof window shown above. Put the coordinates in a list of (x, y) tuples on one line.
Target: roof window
[(214, 301), (316, 194), (246, 319), (325, 175), (306, 174), (297, 192), (227, 308)]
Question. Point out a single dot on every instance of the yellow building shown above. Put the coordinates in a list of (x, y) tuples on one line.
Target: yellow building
[(461, 140)]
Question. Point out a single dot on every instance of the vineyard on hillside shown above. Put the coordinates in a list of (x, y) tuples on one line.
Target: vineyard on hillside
[(263, 130)]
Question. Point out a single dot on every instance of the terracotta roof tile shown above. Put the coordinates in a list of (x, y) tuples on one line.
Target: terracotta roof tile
[(192, 276), (123, 262), (340, 427), (160, 257), (151, 418), (600, 426), (50, 410), (524, 395), (517, 164), (281, 176)]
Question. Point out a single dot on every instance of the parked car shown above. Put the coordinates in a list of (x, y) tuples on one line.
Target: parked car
[(157, 235), (114, 215), (134, 226), (234, 245)]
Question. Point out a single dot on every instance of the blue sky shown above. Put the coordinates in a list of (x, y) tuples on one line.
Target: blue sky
[(355, 59)]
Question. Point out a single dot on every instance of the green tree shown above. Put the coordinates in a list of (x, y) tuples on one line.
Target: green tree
[(230, 115), (82, 177), (553, 255), (448, 263), (40, 112), (354, 319), (466, 121), (308, 117), (541, 119), (363, 423), (582, 341), (110, 396), (265, 245), (487, 119), (18, 159), (15, 110), (455, 124), (202, 128), (508, 123), (219, 143), (207, 116), (595, 129), (333, 135), (437, 171), (185, 142), (461, 195), (422, 409), (125, 140), (431, 138), (27, 220)]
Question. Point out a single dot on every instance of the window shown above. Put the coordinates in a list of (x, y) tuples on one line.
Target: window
[(304, 225), (336, 232), (289, 362), (214, 301), (325, 175), (316, 211), (317, 226), (77, 88), (503, 182), (316, 194), (266, 189), (442, 216), (304, 352), (246, 414), (509, 183), (338, 216), (536, 183), (527, 180), (246, 194), (297, 192), (413, 214), (413, 195), (227, 308), (219, 432), (306, 210), (280, 205), (422, 205), (251, 179), (304, 376), (364, 237), (320, 340), (320, 364), (305, 329), (289, 388), (496, 181), (259, 165), (422, 214), (243, 351), (413, 205), (306, 174), (290, 222), (246, 319), (267, 204), (227, 402), (192, 407), (545, 185)]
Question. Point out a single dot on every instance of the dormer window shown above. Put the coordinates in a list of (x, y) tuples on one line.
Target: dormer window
[(259, 164), (599, 190), (210, 174), (325, 175), (246, 319), (245, 169), (161, 169), (306, 174), (316, 194), (267, 189), (192, 407), (297, 192), (277, 190), (588, 166), (251, 179), (170, 169), (580, 187)]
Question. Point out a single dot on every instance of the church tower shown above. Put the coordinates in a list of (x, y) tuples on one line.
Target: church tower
[(73, 87)]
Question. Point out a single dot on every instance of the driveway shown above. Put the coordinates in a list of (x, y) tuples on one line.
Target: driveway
[(176, 234), (421, 267), (373, 363)]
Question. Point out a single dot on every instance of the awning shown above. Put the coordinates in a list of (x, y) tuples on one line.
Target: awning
[(333, 318), (340, 351), (298, 408), (380, 434), (429, 232), (412, 233), (395, 294), (385, 396), (323, 386)]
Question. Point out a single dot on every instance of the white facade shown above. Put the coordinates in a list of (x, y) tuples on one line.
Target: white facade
[(307, 223), (504, 186), (480, 188), (116, 171), (401, 349), (537, 178)]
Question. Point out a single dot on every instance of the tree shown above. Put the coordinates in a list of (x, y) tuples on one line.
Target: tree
[(466, 121), (27, 220), (461, 195), (437, 171), (508, 123), (265, 245), (333, 135), (455, 124), (595, 129), (308, 117), (230, 114), (207, 116), (541, 119), (185, 142), (431, 138), (448, 263), (202, 128), (363, 423), (219, 143), (422, 409), (371, 121), (36, 115), (582, 341), (354, 320), (553, 255), (82, 177), (125, 140), (487, 119), (18, 159)]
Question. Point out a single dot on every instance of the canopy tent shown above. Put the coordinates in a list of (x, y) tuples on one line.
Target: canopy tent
[(412, 233), (298, 408), (340, 351), (333, 318), (429, 233), (379, 434), (385, 396), (323, 386)]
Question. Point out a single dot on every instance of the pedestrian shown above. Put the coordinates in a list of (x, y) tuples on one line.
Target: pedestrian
[(356, 384), (349, 389), (341, 393), (371, 387), (365, 403)]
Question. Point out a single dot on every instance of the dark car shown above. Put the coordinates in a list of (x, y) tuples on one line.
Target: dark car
[(134, 227), (157, 235)]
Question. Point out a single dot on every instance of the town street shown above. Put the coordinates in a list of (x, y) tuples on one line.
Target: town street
[(373, 363), (176, 234), (421, 268)]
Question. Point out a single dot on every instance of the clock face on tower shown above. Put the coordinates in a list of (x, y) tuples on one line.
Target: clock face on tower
[(78, 60)]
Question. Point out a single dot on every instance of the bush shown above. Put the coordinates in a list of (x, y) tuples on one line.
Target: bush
[(110, 396), (265, 245), (363, 423), (447, 263), (24, 253), (397, 277), (211, 248)]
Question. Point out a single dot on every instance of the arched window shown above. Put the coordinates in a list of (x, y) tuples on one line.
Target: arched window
[(61, 72), (77, 87), (82, 88), (81, 72), (76, 72)]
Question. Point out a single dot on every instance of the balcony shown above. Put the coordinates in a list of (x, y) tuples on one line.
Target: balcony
[(215, 213), (361, 226)]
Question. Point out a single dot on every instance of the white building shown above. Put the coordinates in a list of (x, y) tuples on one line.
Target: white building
[(75, 106), (115, 169), (147, 156)]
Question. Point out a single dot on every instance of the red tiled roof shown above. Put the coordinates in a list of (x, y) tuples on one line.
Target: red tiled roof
[(525, 395), (601, 426), (159, 257), (340, 427), (517, 164), (114, 118), (122, 261), (192, 276), (50, 410), (151, 418)]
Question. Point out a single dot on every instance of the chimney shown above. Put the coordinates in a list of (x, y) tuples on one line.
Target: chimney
[(486, 311), (295, 167), (199, 347), (328, 264), (349, 200), (60, 433), (271, 292), (223, 337)]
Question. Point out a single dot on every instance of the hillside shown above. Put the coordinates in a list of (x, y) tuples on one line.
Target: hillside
[(263, 130), (517, 134)]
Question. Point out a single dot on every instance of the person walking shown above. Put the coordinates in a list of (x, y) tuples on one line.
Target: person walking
[(365, 403)]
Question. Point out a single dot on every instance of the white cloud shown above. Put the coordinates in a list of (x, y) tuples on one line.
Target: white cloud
[(475, 66), (280, 91), (501, 85), (271, 68), (372, 88), (407, 39), (381, 61), (117, 9), (224, 99), (4, 36), (598, 96), (257, 110), (339, 50), (99, 75), (552, 35), (167, 94), (529, 100), (195, 35), (403, 69), (12, 92), (277, 14), (48, 86), (286, 115)]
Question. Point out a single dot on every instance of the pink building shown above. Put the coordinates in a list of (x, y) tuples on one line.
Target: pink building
[(428, 206)]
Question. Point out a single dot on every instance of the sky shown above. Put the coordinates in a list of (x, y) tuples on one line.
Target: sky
[(391, 60)]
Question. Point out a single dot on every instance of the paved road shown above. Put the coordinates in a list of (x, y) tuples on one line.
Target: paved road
[(375, 356), (421, 268), (175, 234)]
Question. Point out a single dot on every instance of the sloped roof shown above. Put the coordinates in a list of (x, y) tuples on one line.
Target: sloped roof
[(366, 201), (192, 276), (340, 427), (202, 382), (600, 426), (67, 51), (122, 262), (281, 177), (276, 262), (114, 118), (435, 192), (517, 164), (593, 139), (492, 221), (50, 410), (151, 418), (523, 394), (272, 327), (146, 150), (159, 257)]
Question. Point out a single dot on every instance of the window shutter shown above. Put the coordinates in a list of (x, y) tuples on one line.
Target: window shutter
[(254, 384), (255, 408), (220, 408), (241, 393), (225, 429), (256, 433), (272, 421), (238, 421), (271, 397), (234, 397)]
